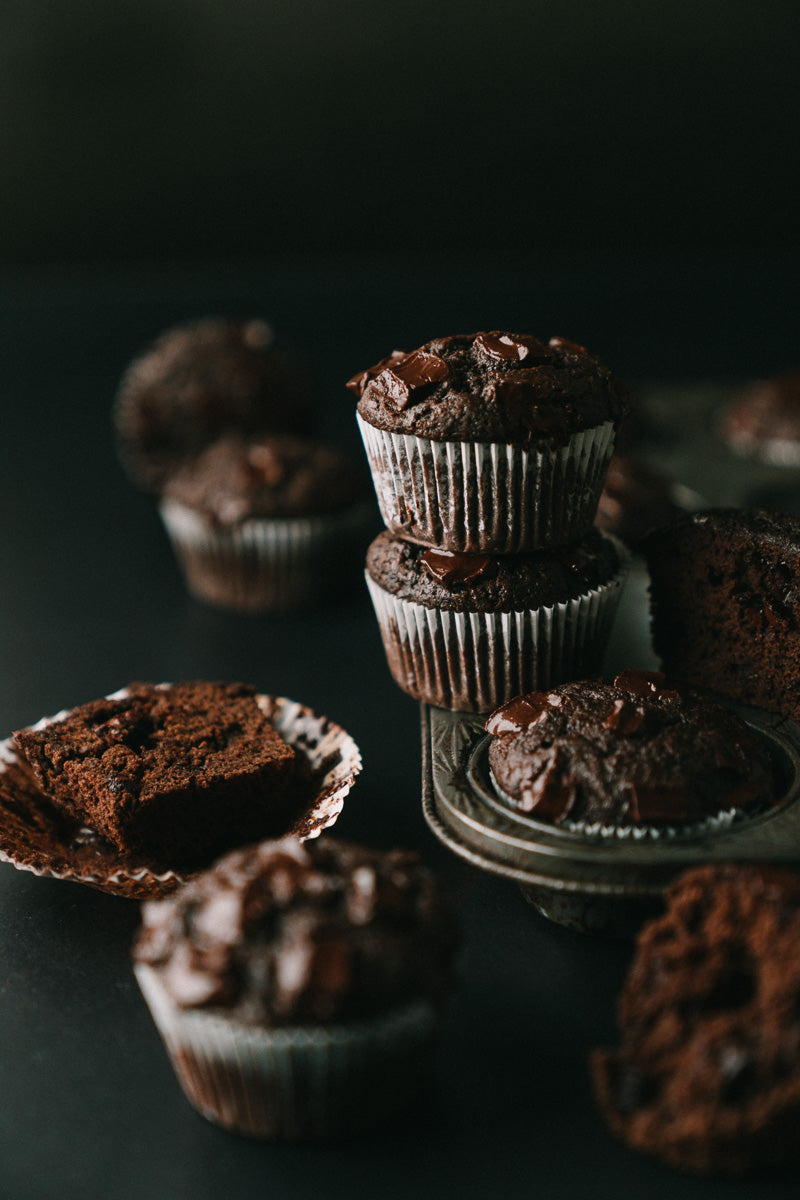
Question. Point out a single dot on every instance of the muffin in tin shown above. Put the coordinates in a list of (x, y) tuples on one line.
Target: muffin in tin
[(268, 523), (297, 988), (491, 442), (467, 632), (628, 756), (707, 1076)]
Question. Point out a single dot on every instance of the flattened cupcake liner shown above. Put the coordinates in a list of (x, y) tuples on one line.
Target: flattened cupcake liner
[(473, 497), (294, 1083), (475, 661), (35, 837), (262, 564)]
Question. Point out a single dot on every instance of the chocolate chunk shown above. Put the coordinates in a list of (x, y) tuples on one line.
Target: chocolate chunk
[(456, 568), (518, 714), (510, 347), (645, 684), (359, 381), (411, 375)]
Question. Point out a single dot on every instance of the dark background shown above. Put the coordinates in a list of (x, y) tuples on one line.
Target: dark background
[(162, 130)]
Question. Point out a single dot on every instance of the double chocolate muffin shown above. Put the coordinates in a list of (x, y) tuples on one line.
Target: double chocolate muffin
[(490, 442), (725, 603), (707, 1077), (297, 987), (175, 773), (613, 756), (465, 631), (197, 382)]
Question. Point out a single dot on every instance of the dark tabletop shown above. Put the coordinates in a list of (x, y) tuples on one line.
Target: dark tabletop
[(90, 599)]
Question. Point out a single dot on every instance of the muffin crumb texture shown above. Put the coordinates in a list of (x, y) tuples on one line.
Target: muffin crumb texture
[(707, 1077)]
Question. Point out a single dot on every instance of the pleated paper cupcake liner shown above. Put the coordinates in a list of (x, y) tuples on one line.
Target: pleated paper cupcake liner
[(632, 831), (294, 1083), (35, 837), (264, 565), (475, 661), (474, 497)]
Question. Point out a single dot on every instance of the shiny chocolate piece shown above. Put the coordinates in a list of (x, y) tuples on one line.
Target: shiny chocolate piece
[(413, 374), (645, 684), (552, 794), (625, 718), (518, 714), (560, 343), (359, 381), (511, 347), (450, 568)]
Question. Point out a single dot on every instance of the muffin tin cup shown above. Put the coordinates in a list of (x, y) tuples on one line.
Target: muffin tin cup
[(266, 565), (292, 1084), (475, 497), (475, 661)]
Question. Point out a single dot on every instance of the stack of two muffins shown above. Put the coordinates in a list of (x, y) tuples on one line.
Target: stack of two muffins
[(488, 453)]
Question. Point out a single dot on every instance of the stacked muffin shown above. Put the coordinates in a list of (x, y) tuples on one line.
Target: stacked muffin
[(488, 453)]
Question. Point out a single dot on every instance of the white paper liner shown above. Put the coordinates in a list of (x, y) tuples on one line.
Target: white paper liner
[(475, 661), (262, 565), (294, 1083), (319, 740), (486, 496), (630, 832)]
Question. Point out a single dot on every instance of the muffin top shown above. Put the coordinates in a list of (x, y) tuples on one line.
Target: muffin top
[(631, 751), (490, 387), (491, 583), (768, 411), (197, 382), (279, 476), (291, 933)]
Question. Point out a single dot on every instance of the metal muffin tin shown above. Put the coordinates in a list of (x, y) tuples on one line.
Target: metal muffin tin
[(593, 884)]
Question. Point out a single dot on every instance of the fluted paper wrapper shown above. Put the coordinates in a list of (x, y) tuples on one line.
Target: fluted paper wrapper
[(263, 565), (294, 1083), (475, 661), (475, 497)]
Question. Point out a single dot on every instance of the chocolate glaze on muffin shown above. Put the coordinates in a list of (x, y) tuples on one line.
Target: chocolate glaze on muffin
[(286, 933), (725, 601), (631, 752), (177, 772), (490, 583), (490, 387), (764, 420), (707, 1077), (236, 478), (197, 382)]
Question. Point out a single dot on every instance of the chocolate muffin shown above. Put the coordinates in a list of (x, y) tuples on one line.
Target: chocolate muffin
[(764, 420), (467, 631), (707, 1077), (269, 523), (297, 986), (491, 442), (636, 498), (173, 772), (612, 756), (725, 603), (197, 382)]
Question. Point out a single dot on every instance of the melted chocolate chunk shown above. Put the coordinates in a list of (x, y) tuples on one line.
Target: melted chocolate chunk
[(518, 714), (511, 347), (560, 343), (645, 684), (450, 568), (625, 718), (413, 374), (359, 381)]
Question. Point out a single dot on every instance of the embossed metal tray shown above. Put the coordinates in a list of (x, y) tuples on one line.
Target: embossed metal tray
[(594, 884)]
